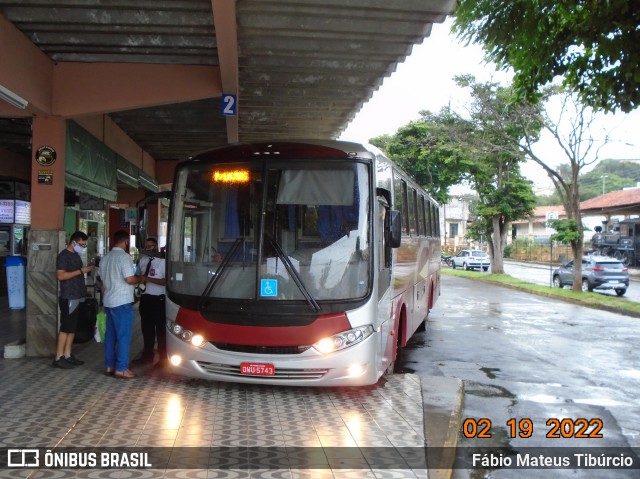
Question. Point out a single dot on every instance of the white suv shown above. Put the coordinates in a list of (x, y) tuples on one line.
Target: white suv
[(471, 259)]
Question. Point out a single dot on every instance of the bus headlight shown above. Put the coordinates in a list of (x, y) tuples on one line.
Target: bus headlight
[(343, 340), (186, 335)]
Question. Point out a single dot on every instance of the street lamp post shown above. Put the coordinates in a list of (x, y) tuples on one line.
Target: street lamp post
[(604, 177)]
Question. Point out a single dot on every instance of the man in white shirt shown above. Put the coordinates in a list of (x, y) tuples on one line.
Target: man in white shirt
[(118, 282), (152, 302)]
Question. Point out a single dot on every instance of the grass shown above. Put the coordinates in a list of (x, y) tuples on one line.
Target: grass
[(590, 300)]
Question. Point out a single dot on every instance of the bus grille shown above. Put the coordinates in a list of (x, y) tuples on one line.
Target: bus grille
[(281, 373), (238, 348)]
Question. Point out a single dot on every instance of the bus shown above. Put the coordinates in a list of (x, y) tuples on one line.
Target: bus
[(297, 263)]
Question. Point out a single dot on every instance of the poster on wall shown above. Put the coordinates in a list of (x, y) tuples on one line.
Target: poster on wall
[(6, 211), (45, 177), (23, 212)]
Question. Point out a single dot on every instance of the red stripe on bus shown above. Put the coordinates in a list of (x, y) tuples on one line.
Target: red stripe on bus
[(323, 326)]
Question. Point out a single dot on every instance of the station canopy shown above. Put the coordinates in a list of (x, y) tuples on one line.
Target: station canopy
[(299, 69)]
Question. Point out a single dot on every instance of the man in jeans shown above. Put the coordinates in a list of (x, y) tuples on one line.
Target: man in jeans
[(152, 301), (70, 273), (118, 281)]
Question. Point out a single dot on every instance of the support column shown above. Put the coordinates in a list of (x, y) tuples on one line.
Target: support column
[(46, 237)]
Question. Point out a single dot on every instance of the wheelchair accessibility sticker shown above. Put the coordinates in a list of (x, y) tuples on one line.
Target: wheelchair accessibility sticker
[(269, 288)]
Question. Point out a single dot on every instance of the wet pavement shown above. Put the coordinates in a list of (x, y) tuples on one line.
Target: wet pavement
[(201, 429), (523, 356)]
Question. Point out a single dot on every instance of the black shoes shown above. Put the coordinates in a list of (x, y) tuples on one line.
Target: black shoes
[(75, 361), (62, 363), (67, 363)]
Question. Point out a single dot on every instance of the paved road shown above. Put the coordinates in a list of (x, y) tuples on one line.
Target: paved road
[(523, 356), (541, 274)]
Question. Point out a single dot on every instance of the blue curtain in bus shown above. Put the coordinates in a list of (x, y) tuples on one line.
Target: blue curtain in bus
[(231, 221), (336, 221), (292, 217)]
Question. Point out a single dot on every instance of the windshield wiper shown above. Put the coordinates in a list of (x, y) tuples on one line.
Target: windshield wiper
[(218, 273), (294, 274)]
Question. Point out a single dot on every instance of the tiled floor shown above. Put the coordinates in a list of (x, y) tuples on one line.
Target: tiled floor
[(12, 324), (59, 409)]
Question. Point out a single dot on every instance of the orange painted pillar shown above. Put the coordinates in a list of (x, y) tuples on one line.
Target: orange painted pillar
[(46, 237), (47, 198)]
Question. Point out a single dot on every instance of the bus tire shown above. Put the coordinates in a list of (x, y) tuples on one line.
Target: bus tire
[(391, 369)]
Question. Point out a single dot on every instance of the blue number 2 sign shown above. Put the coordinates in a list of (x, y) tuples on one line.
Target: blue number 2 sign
[(229, 104)]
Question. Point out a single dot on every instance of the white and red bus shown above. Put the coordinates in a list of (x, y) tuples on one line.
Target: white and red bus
[(297, 263)]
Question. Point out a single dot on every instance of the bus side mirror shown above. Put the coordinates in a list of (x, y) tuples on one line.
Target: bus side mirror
[(395, 228)]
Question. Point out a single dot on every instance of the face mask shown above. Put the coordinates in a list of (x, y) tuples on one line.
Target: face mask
[(77, 248)]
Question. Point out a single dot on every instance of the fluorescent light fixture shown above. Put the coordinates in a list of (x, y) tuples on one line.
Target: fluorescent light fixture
[(12, 99), (148, 183), (126, 175)]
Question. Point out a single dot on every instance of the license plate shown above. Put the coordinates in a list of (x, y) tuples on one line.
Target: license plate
[(257, 369), (613, 282)]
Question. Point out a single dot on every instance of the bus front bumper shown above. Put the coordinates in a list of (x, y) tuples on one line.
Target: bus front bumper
[(354, 366)]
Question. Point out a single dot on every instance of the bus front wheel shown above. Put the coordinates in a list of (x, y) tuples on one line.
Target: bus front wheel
[(392, 365)]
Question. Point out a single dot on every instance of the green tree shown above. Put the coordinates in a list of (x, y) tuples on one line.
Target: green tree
[(622, 168), (441, 150), (548, 200), (593, 45), (571, 130), (609, 175), (605, 177), (593, 184), (505, 196), (566, 230), (424, 149)]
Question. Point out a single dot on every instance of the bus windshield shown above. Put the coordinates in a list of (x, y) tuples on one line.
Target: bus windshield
[(270, 231)]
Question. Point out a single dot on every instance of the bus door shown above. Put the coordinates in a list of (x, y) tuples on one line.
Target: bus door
[(153, 211), (388, 237)]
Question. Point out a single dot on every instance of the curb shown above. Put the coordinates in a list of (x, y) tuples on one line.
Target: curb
[(442, 399)]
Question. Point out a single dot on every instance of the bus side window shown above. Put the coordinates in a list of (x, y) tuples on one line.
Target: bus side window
[(405, 207), (413, 217), (421, 225), (429, 221), (398, 195)]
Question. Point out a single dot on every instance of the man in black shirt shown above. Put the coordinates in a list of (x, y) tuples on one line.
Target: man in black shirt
[(70, 273)]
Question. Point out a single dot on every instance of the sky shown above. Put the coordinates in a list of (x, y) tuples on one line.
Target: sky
[(425, 82)]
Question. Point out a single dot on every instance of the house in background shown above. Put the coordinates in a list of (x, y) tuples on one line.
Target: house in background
[(455, 218), (536, 225)]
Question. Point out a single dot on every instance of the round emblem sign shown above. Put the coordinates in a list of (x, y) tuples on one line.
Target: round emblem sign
[(45, 156)]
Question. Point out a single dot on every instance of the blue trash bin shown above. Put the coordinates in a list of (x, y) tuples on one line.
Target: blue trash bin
[(16, 266)]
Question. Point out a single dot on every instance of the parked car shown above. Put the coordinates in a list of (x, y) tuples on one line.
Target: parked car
[(598, 272), (471, 259)]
